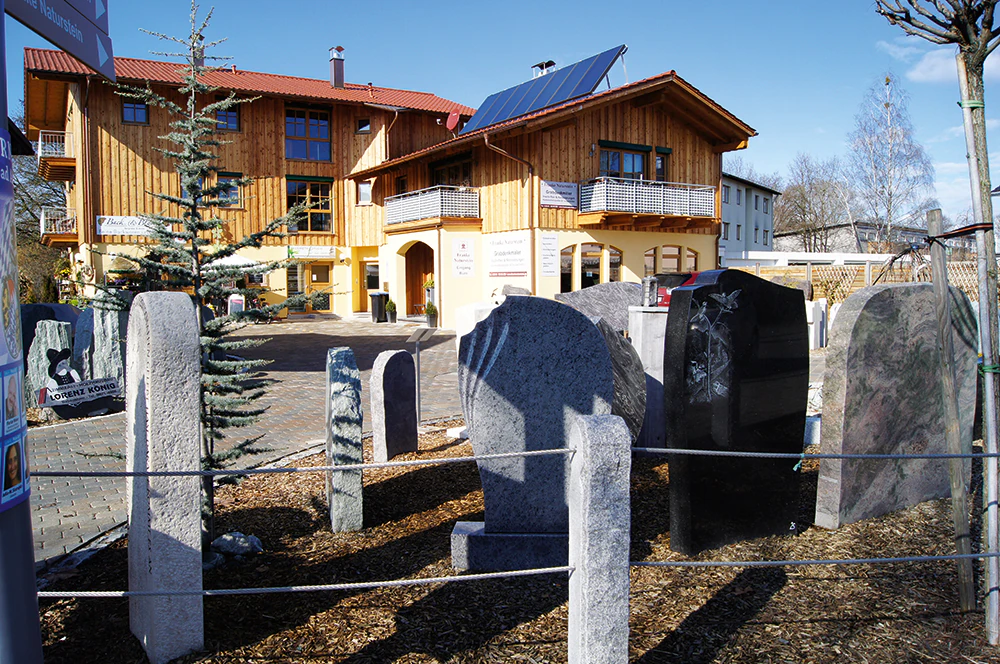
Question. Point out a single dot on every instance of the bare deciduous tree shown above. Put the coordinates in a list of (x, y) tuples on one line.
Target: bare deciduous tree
[(888, 168), (817, 202)]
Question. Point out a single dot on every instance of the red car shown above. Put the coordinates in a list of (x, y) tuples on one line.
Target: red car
[(668, 282)]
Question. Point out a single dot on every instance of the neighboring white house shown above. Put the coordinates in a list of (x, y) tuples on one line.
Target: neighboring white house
[(747, 218), (841, 238)]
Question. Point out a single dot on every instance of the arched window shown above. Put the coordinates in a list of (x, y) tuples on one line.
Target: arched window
[(691, 264), (590, 264), (615, 264), (650, 257), (566, 269), (670, 258)]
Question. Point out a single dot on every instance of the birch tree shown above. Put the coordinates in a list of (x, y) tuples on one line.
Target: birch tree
[(888, 168)]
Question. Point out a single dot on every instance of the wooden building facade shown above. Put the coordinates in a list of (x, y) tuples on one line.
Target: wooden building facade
[(298, 139), (611, 186)]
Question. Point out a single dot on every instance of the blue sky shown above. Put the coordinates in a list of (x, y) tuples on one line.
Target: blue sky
[(795, 70)]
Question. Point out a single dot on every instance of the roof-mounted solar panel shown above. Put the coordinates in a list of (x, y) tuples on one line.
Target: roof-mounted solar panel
[(576, 80)]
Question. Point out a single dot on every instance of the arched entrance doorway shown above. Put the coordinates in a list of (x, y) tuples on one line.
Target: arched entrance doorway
[(419, 268)]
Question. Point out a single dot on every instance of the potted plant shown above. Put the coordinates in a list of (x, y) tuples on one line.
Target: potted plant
[(390, 310), (432, 315), (429, 289)]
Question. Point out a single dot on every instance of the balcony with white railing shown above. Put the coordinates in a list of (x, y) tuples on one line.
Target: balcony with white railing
[(646, 197), (56, 156), (58, 221), (433, 203)]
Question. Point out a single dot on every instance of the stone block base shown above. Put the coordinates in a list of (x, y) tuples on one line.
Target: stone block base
[(474, 549)]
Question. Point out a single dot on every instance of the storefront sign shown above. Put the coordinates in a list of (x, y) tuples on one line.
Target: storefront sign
[(463, 262), (550, 255), (72, 394), (508, 255), (123, 226), (559, 194)]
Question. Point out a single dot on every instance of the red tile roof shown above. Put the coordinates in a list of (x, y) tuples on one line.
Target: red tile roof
[(37, 60)]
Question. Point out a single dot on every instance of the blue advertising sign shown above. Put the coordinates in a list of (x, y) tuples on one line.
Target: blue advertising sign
[(68, 29), (14, 484)]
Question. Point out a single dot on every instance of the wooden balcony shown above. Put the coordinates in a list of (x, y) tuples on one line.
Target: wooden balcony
[(646, 204), (58, 226), (56, 160), (442, 205)]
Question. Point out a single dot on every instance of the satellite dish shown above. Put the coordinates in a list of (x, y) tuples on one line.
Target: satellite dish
[(453, 119)]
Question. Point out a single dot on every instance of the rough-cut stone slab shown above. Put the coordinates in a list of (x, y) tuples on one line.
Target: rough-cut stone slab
[(881, 395), (466, 318), (31, 314), (629, 402), (472, 548), (164, 433), (83, 344), (736, 376), (110, 335), (647, 331), (343, 440), (523, 374), (599, 535), (394, 404), (50, 335), (609, 301)]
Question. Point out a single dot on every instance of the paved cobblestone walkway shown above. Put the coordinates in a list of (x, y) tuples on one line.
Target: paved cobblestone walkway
[(69, 512)]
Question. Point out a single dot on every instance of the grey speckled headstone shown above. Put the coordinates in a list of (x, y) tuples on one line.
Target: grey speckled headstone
[(343, 440), (881, 395), (164, 433), (394, 405), (110, 336), (31, 314), (523, 374), (629, 402), (609, 301), (49, 334), (83, 344), (599, 536)]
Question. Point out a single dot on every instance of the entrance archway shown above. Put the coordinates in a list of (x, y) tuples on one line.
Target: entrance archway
[(419, 268)]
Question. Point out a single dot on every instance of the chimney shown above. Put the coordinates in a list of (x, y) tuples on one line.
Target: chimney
[(337, 67)]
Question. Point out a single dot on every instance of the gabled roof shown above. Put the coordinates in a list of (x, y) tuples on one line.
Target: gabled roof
[(47, 61), (756, 185), (729, 132)]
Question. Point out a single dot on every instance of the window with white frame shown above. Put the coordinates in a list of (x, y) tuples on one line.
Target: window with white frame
[(767, 201), (364, 193), (739, 196), (725, 193), (739, 232), (765, 237), (756, 202)]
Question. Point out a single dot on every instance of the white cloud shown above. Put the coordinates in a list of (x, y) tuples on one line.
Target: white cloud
[(901, 49), (938, 66)]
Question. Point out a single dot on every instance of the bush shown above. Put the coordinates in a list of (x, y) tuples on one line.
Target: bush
[(430, 309), (390, 307)]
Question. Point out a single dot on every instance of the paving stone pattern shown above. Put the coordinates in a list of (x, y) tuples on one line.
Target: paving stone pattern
[(69, 512)]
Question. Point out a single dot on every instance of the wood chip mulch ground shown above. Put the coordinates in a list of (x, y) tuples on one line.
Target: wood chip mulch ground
[(874, 614)]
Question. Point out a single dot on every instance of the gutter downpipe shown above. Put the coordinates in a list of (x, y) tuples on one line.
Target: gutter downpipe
[(531, 205)]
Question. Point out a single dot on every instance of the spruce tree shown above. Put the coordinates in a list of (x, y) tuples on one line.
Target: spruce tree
[(190, 252)]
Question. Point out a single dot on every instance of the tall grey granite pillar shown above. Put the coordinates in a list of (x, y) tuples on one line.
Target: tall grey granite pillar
[(343, 440), (648, 330), (599, 525), (49, 335), (394, 405), (163, 433)]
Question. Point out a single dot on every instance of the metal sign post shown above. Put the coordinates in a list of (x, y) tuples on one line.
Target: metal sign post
[(84, 36), (420, 334)]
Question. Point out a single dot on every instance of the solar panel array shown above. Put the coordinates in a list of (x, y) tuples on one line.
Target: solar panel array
[(576, 80)]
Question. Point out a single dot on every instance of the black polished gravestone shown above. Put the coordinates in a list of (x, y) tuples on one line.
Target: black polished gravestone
[(735, 378)]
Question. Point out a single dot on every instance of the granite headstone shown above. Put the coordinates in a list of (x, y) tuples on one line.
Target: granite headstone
[(524, 373), (51, 340), (394, 405), (735, 378), (343, 440), (83, 344), (629, 402), (881, 396), (609, 301)]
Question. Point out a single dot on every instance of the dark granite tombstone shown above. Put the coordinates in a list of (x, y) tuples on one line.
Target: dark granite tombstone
[(609, 301), (735, 378), (629, 402), (393, 387)]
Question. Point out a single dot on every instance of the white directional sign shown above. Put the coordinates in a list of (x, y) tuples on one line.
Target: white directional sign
[(68, 29), (95, 11)]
